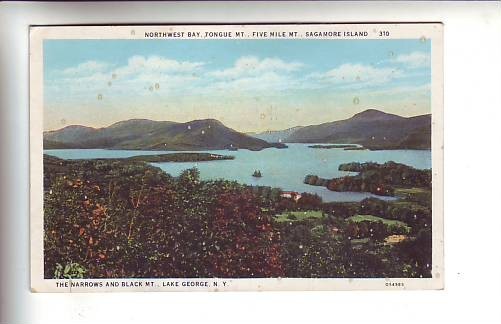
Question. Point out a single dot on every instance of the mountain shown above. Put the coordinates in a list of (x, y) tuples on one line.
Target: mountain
[(69, 133), (144, 134), (418, 139), (275, 136), (371, 128)]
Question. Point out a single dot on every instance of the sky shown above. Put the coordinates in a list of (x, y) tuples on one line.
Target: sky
[(249, 85)]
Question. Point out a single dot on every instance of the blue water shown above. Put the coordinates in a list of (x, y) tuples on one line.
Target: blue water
[(282, 168)]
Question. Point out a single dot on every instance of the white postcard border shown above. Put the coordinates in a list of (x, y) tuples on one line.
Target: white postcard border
[(429, 31)]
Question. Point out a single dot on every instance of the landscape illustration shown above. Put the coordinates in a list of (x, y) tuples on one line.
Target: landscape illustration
[(237, 159)]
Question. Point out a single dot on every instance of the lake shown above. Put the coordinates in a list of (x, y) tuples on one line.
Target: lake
[(282, 168)]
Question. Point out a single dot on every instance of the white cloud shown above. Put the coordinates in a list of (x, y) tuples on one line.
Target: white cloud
[(357, 74), (402, 91), (267, 81), (86, 68), (252, 66), (137, 76), (139, 64), (413, 60), (156, 75)]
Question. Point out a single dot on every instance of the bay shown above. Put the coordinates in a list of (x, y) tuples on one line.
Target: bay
[(281, 168)]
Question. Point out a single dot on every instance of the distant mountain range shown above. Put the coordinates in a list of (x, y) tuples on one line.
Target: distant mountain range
[(144, 134), (275, 136), (371, 128)]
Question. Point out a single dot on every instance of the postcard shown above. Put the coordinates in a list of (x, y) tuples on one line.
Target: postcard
[(236, 157)]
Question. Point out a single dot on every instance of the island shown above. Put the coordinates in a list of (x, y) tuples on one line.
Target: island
[(180, 157), (358, 148), (379, 179), (335, 146)]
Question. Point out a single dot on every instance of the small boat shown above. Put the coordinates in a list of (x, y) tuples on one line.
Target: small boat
[(257, 174)]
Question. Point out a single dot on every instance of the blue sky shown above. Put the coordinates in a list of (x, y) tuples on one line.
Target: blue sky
[(250, 85)]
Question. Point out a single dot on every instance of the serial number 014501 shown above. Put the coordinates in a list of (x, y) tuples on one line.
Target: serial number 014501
[(394, 284)]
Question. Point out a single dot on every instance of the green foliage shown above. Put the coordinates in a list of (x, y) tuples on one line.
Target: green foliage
[(123, 219), (190, 176), (390, 173), (420, 196), (298, 215), (309, 201), (379, 179), (181, 157), (413, 214), (69, 271), (395, 226), (131, 220), (417, 253), (318, 230), (315, 180)]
